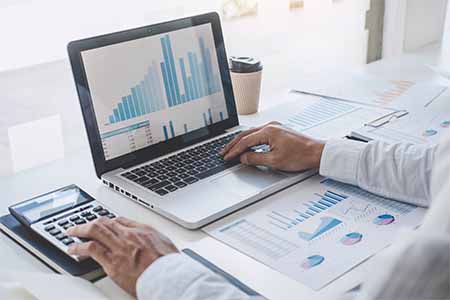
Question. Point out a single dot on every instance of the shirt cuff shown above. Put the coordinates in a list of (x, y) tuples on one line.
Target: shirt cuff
[(340, 160)]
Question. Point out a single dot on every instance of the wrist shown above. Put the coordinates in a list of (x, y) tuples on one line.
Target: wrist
[(316, 150)]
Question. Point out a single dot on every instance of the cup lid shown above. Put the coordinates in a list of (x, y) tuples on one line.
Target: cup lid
[(244, 64)]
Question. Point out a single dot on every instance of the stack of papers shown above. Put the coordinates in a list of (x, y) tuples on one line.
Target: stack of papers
[(317, 230)]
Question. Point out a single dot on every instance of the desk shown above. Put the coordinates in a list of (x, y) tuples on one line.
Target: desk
[(53, 83)]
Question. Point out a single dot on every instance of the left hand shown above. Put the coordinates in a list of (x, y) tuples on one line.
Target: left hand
[(123, 248)]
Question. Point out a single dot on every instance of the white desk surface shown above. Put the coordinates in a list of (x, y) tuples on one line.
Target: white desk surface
[(32, 84)]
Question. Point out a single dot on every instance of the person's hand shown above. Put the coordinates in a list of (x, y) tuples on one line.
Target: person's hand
[(289, 151), (123, 248)]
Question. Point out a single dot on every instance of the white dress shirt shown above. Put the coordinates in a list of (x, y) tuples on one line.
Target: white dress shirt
[(400, 171)]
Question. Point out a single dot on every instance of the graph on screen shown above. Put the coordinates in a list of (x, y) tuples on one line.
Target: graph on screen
[(153, 89), (147, 96)]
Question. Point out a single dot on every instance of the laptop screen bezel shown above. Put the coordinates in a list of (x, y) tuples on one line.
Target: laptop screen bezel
[(75, 49)]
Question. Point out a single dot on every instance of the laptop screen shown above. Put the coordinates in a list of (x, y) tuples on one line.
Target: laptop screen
[(150, 90)]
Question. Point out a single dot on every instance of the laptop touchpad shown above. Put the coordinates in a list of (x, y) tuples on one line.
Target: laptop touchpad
[(247, 181)]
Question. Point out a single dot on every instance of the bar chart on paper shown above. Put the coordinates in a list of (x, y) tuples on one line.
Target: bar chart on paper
[(316, 230)]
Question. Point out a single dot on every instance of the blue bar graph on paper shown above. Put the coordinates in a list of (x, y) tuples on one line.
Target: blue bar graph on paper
[(178, 79)]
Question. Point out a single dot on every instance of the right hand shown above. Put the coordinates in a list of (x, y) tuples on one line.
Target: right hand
[(289, 151)]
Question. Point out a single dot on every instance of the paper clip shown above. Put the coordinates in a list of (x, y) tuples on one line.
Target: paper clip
[(383, 120)]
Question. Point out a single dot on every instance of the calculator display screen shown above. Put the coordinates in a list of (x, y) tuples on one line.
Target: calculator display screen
[(41, 207)]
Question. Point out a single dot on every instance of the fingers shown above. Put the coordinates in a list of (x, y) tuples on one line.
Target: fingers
[(127, 222), (244, 134), (257, 138), (92, 249), (257, 159), (237, 139), (97, 231)]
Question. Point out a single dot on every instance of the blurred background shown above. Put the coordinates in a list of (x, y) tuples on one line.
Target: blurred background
[(303, 37)]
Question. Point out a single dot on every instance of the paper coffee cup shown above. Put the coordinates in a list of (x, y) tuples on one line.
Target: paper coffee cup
[(247, 89), (246, 75)]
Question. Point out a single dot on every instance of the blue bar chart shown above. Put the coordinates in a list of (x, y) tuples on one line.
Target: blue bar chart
[(144, 98), (320, 203), (161, 87)]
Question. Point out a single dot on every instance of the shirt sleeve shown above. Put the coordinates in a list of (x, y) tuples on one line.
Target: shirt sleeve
[(398, 171), (176, 276)]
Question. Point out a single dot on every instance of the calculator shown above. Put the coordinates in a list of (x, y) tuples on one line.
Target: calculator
[(51, 214)]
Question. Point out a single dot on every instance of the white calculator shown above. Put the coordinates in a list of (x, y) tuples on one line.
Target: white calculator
[(51, 214)]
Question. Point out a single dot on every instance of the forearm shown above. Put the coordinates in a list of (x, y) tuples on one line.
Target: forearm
[(177, 276), (399, 171)]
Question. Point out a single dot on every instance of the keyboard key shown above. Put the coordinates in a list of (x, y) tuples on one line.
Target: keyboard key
[(192, 172), (80, 221), (91, 217), (171, 188), (171, 168), (54, 232), (210, 172), (171, 174), (60, 236), (183, 176), (162, 192), (180, 184), (190, 180), (201, 169), (74, 218), (111, 215), (174, 179), (67, 241), (159, 185), (150, 182), (162, 177), (141, 179), (49, 227), (103, 212)]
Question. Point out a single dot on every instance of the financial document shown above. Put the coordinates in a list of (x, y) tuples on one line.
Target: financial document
[(317, 230), (375, 91), (319, 117), (420, 126)]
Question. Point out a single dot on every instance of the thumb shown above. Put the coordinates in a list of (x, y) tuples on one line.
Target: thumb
[(256, 159)]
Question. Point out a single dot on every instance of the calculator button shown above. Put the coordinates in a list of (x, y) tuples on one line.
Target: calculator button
[(63, 222), (103, 212), (67, 226), (91, 217), (60, 236), (98, 208), (85, 214), (54, 231), (111, 216), (74, 218), (67, 241), (80, 221), (49, 227)]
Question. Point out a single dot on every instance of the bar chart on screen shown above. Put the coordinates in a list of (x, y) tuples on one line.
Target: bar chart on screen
[(171, 82), (161, 87)]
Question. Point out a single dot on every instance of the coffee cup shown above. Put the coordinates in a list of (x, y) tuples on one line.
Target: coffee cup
[(246, 75)]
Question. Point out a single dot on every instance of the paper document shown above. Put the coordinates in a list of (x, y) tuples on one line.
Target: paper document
[(43, 286), (400, 94), (317, 230), (420, 126), (321, 118)]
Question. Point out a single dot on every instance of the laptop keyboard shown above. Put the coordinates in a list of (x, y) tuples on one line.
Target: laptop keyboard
[(184, 168)]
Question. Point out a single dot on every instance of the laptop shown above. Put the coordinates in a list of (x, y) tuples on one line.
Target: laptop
[(158, 107)]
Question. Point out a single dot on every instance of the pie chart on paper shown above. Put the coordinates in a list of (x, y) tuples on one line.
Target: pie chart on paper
[(385, 219), (312, 261), (351, 238)]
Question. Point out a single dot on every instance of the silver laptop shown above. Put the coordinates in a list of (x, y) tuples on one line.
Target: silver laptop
[(158, 106)]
